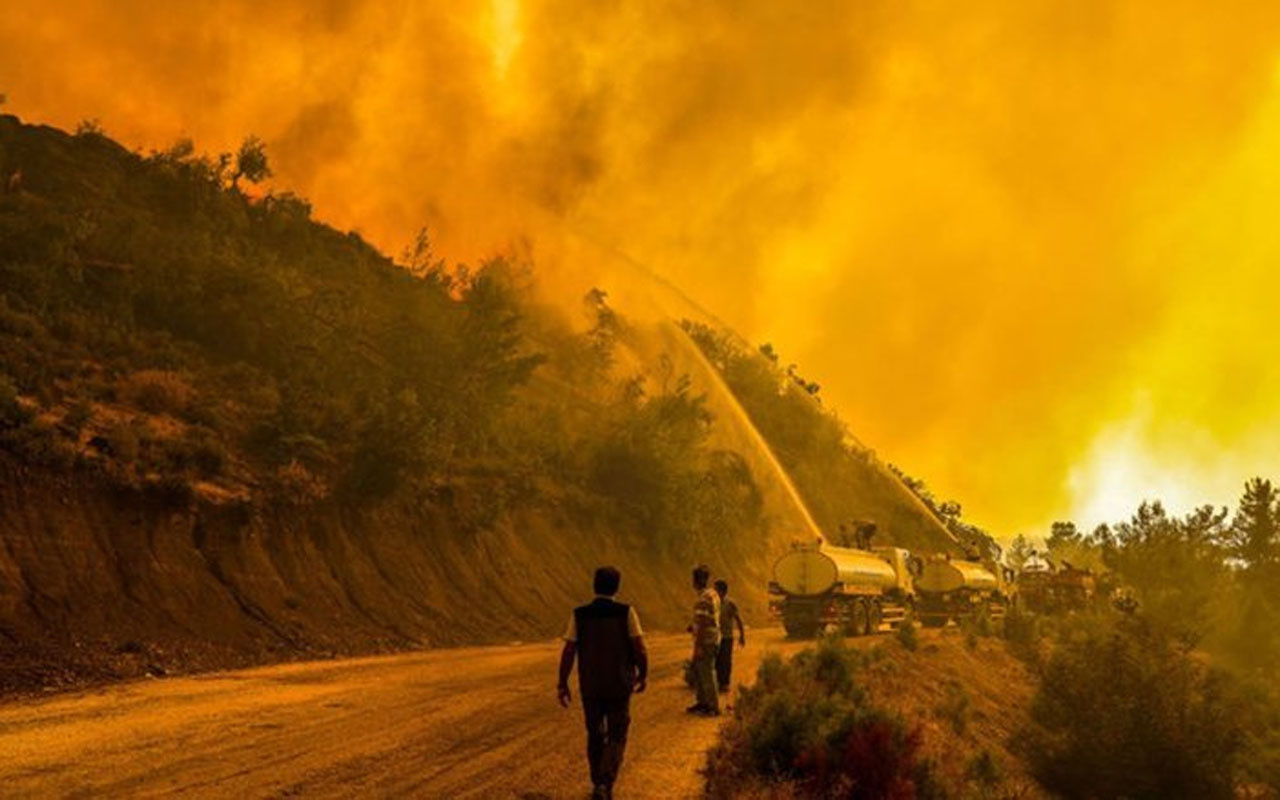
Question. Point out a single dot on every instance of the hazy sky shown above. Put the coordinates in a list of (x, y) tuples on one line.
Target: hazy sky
[(1028, 248)]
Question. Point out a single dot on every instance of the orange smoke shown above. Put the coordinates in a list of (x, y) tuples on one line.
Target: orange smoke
[(1025, 246)]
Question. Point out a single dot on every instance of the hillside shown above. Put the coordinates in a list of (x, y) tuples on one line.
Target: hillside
[(230, 434), (843, 482)]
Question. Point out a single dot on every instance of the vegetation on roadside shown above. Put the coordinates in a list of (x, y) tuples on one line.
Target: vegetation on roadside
[(1209, 579), (809, 723), (1124, 710), (1168, 688), (841, 722)]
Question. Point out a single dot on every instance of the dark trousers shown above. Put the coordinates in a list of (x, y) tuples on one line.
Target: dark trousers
[(607, 723), (724, 663)]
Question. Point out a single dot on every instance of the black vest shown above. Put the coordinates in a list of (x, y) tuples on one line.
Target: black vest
[(606, 658)]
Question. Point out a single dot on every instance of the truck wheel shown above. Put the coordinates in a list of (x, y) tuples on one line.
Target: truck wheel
[(858, 618)]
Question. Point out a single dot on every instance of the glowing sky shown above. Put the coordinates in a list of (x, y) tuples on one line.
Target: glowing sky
[(1028, 248)]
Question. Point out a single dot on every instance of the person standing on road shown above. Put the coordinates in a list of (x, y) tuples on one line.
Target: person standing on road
[(706, 643), (606, 639), (728, 616)]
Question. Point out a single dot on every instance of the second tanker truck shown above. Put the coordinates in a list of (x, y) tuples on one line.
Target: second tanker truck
[(817, 586), (955, 589)]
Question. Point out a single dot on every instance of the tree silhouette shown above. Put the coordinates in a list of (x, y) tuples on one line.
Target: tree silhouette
[(251, 162), (1019, 551), (1254, 535)]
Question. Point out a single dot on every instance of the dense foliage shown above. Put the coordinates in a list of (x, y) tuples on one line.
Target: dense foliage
[(1200, 610), (165, 327), (1126, 711), (1209, 578), (156, 284)]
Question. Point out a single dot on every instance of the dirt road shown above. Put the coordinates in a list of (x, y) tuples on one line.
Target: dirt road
[(474, 722)]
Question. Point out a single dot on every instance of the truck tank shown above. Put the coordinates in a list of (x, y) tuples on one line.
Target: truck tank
[(955, 589), (810, 571), (950, 576)]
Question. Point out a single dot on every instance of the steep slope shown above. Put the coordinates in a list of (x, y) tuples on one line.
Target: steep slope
[(230, 434), (840, 480)]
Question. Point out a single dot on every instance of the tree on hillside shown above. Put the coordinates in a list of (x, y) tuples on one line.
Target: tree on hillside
[(1175, 566), (1253, 542), (1062, 536), (1253, 537), (605, 329), (251, 162), (1067, 543), (1018, 552)]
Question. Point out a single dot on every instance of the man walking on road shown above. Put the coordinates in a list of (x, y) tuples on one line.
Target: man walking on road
[(728, 616), (606, 639), (706, 643)]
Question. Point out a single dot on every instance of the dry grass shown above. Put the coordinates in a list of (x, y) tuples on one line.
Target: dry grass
[(158, 391)]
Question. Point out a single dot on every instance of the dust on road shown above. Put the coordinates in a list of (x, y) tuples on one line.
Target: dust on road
[(473, 722)]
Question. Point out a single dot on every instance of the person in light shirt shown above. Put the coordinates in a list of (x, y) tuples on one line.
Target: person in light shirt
[(706, 643)]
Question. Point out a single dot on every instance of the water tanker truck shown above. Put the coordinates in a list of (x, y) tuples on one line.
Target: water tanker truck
[(957, 589), (816, 586)]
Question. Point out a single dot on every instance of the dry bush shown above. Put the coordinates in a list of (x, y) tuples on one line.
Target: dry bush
[(908, 636), (955, 707), (158, 391), (300, 485), (809, 728)]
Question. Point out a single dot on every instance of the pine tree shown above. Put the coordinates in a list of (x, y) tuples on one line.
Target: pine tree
[(1254, 536), (1019, 551)]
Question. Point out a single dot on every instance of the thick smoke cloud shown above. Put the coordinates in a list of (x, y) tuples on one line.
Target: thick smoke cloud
[(1025, 246)]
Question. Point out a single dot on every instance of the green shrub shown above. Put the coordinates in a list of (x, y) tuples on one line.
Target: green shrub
[(1260, 763), (975, 625), (1022, 628), (158, 392), (38, 443), (123, 443), (12, 412), (808, 723), (199, 451), (78, 415), (955, 707), (908, 635), (1126, 711), (209, 454), (984, 770)]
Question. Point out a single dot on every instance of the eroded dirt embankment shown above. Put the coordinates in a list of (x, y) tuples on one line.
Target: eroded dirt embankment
[(99, 584)]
